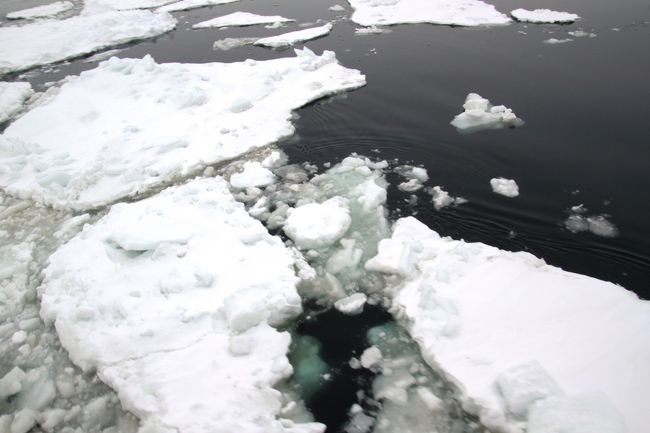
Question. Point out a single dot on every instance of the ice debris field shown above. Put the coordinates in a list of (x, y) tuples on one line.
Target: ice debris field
[(203, 245)]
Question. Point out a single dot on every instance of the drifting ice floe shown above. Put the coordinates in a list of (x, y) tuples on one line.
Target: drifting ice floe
[(480, 114), (555, 41), (12, 98), (132, 124), (241, 19), (52, 41), (128, 4), (415, 176), (441, 198), (446, 12), (543, 16), (597, 224), (503, 186), (288, 39), (184, 5), (163, 304), (253, 175), (318, 225), (527, 344), (49, 10)]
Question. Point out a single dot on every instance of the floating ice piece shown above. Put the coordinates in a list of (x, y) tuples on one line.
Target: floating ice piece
[(48, 10), (446, 12), (479, 114), (543, 16), (410, 185), (503, 186), (184, 5), (336, 8), (582, 34), (286, 40), (52, 41), (167, 326), (371, 357), (241, 19), (253, 175), (352, 304), (371, 31), (514, 333), (12, 97), (128, 125), (555, 41), (128, 4), (442, 199), (318, 225), (230, 43), (596, 224)]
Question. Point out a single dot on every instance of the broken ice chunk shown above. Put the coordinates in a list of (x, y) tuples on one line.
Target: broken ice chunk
[(505, 187), (318, 225), (480, 115), (371, 357), (352, 304), (253, 175), (543, 16), (240, 19)]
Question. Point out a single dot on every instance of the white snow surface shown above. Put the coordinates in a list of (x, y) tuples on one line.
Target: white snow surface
[(318, 225), (12, 97), (132, 124), (52, 41), (128, 4), (479, 114), (184, 5), (288, 39), (241, 19), (446, 12), (543, 16), (163, 303), (48, 10), (503, 186), (527, 344)]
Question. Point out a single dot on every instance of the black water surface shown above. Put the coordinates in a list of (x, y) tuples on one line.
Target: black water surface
[(342, 337)]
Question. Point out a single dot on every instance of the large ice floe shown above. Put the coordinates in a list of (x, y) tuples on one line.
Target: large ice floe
[(543, 16), (52, 41), (163, 305), (240, 19), (286, 40), (529, 346), (12, 98), (44, 11), (184, 5), (479, 114), (132, 124), (128, 4), (446, 12)]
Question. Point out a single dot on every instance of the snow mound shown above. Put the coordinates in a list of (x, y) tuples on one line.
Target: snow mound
[(12, 98), (241, 19), (288, 39), (524, 341), (253, 175), (479, 114), (184, 5), (318, 225), (48, 10), (446, 12), (52, 41), (132, 124), (163, 305), (543, 16), (506, 187)]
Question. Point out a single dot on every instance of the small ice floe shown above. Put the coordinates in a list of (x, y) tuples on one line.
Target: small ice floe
[(51, 41), (362, 31), (230, 43), (121, 5), (543, 16), (336, 8), (45, 11), (253, 175), (503, 186), (415, 176), (555, 41), (597, 224), (445, 12), (318, 225), (441, 198), (184, 5), (526, 343), (352, 304), (371, 357), (582, 34), (479, 114), (12, 97), (240, 19), (286, 40)]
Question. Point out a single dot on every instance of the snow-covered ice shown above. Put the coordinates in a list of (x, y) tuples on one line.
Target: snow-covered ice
[(128, 4), (163, 305), (479, 114), (184, 5), (239, 19), (352, 304), (503, 186), (286, 40), (52, 41), (528, 345), (44, 11), (12, 97), (253, 175), (318, 225), (446, 12), (129, 125), (543, 16)]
